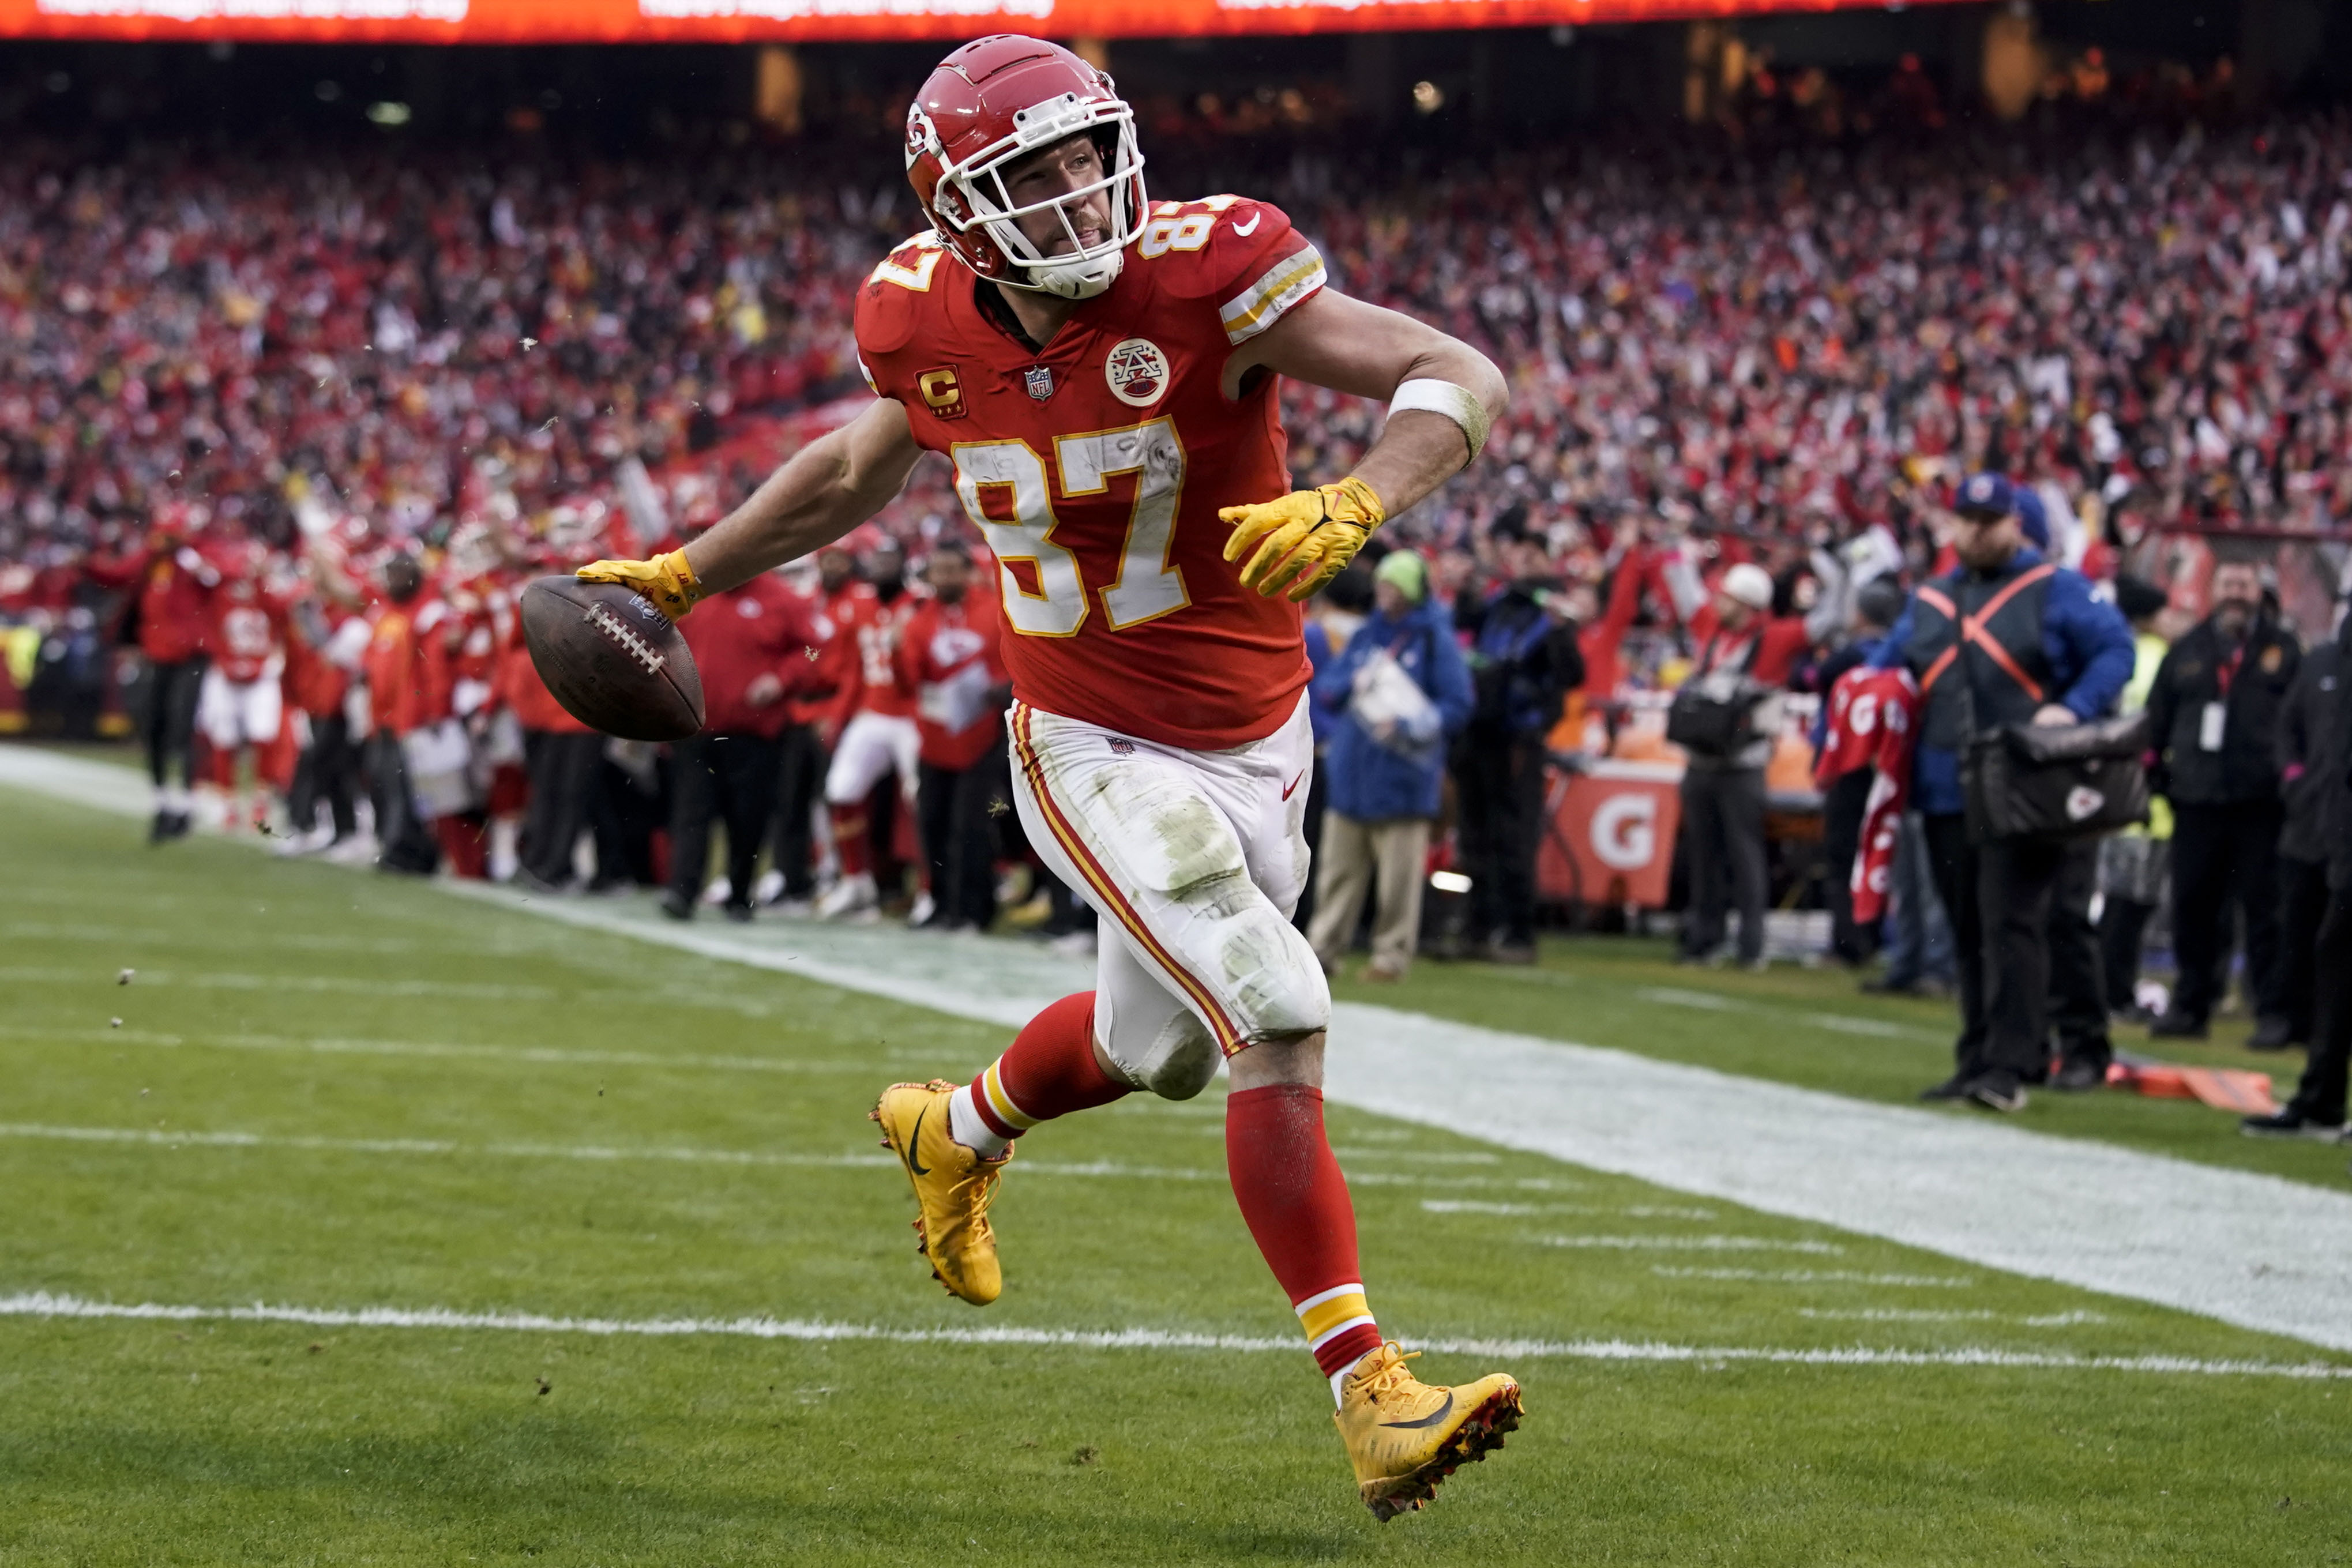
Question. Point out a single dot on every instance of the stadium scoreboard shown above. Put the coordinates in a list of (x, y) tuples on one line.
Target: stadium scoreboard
[(789, 21)]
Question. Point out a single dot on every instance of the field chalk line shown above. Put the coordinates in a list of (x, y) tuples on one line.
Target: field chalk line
[(2254, 1250), (44, 1304)]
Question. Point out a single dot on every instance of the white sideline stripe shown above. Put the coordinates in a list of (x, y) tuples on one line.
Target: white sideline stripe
[(1815, 1277), (535, 1055), (224, 980), (1691, 1244), (2254, 1250), (169, 1138), (1631, 1210), (163, 1137), (1925, 1315), (44, 1304)]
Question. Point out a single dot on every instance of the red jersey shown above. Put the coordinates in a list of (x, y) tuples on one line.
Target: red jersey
[(1868, 711), (1095, 467), (248, 634), (952, 657), (761, 629), (862, 656)]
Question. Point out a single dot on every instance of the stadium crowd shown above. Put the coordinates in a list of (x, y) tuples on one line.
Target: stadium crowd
[(298, 426)]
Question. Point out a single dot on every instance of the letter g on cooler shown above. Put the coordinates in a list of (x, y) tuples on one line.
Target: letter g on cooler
[(1625, 830)]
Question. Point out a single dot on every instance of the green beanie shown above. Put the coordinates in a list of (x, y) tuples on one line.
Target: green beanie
[(1406, 572)]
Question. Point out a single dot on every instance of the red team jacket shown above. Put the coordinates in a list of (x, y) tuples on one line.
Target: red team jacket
[(1096, 467), (174, 608), (951, 657), (762, 628)]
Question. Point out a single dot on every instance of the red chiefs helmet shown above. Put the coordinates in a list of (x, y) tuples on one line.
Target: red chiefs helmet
[(993, 102)]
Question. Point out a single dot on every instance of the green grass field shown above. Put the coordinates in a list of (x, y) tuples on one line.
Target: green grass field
[(446, 1104)]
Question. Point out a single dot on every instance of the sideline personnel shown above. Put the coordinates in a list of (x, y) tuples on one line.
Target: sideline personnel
[(2007, 638), (2214, 716)]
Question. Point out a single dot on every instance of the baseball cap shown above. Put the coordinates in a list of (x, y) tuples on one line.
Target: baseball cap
[(1997, 495), (1751, 584), (1988, 494)]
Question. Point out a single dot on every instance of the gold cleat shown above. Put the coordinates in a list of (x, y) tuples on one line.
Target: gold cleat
[(953, 1185), (1404, 1435)]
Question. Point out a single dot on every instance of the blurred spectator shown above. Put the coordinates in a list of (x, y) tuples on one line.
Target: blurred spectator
[(1523, 664), (951, 657), (324, 644), (169, 615), (2316, 1109), (1727, 716), (1845, 739), (2133, 863), (804, 750), (2006, 638), (2308, 723), (1332, 617), (399, 701), (1399, 690), (1918, 933), (874, 721), (2214, 716), (746, 643)]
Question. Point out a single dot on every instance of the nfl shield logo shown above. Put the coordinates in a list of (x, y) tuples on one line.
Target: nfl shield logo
[(1039, 378)]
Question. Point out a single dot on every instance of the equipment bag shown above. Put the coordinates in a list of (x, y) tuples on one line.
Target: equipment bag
[(1711, 726), (2057, 781), (1712, 715)]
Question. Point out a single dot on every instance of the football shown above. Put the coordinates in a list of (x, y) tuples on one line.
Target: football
[(613, 659)]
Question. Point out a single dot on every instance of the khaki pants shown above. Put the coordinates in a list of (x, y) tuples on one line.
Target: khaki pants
[(1350, 854)]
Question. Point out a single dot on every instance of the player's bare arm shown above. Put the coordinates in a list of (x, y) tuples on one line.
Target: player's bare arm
[(822, 491), (1350, 346), (1443, 397)]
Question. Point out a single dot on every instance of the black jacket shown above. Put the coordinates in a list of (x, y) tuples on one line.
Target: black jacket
[(2245, 769), (2312, 753)]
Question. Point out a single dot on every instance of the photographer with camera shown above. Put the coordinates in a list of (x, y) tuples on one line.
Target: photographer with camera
[(1724, 716), (2007, 639)]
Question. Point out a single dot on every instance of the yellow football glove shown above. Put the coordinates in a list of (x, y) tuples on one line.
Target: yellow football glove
[(666, 579), (1304, 538)]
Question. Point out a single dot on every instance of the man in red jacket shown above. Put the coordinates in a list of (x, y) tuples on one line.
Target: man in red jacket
[(173, 608), (949, 658), (750, 647), (803, 750)]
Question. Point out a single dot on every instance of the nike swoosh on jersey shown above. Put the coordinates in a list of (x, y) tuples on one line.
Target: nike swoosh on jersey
[(915, 1140), (1249, 228), (1431, 1420), (1287, 789)]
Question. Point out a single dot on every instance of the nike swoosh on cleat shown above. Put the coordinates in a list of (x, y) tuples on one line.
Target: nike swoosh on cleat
[(1287, 789), (1246, 230), (1431, 1420), (915, 1140)]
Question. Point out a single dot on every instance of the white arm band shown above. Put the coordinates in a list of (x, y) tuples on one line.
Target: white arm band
[(1450, 401)]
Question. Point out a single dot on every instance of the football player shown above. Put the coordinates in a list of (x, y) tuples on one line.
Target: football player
[(1102, 370)]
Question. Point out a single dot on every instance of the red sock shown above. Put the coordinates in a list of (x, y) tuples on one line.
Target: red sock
[(852, 841), (1049, 1071), (1296, 1203)]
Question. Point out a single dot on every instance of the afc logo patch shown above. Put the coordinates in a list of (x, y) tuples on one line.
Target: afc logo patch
[(942, 392), (1039, 380), (1138, 372)]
